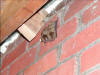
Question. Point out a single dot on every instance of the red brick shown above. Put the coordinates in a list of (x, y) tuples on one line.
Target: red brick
[(11, 46), (97, 72), (91, 13), (43, 65), (90, 58), (22, 62), (62, 33), (14, 54), (75, 7), (21, 73), (81, 40), (35, 40), (4, 72), (65, 69)]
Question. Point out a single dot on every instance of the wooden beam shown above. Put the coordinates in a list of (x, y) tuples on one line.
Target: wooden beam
[(33, 25), (18, 16), (30, 29), (9, 8)]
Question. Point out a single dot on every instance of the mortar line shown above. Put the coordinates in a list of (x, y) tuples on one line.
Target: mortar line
[(33, 62), (58, 65), (90, 70), (77, 66), (42, 56), (32, 46), (12, 49), (68, 58), (59, 48), (67, 39), (89, 46), (17, 57), (53, 68), (81, 11), (37, 52), (61, 16), (21, 72), (36, 60), (79, 30), (8, 70), (48, 50), (92, 21)]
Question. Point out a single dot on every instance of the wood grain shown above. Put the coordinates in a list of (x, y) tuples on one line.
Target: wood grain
[(14, 13), (30, 29), (9, 8)]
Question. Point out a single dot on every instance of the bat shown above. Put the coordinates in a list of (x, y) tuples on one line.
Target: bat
[(49, 33)]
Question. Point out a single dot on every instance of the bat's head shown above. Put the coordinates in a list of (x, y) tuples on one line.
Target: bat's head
[(49, 33)]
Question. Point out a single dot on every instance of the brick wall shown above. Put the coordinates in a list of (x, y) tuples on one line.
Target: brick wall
[(76, 50)]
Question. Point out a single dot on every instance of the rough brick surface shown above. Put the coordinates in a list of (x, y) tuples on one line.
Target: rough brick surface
[(75, 7), (14, 54), (19, 40), (44, 64), (91, 13), (49, 58), (22, 62), (90, 58), (63, 32), (21, 73), (65, 69), (81, 40), (97, 72), (4, 72)]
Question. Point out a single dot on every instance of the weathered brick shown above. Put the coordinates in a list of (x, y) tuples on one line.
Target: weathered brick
[(75, 7), (21, 73), (4, 72), (43, 65), (64, 69), (22, 62), (16, 42), (90, 58), (13, 55), (62, 32), (81, 40), (91, 13), (97, 72)]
